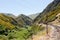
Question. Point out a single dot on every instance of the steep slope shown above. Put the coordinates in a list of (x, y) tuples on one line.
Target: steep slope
[(49, 13), (51, 18), (7, 21), (24, 20)]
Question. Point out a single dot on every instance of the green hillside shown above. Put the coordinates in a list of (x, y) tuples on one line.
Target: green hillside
[(8, 22), (10, 29), (24, 20), (49, 13)]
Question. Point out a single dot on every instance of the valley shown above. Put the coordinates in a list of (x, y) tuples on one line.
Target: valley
[(40, 26)]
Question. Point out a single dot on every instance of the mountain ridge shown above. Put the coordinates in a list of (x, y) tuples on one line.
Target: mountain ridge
[(25, 20)]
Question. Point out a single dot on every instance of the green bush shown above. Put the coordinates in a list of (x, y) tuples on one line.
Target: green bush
[(3, 37), (37, 28)]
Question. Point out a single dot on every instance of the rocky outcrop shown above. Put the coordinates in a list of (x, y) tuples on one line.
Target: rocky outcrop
[(54, 33)]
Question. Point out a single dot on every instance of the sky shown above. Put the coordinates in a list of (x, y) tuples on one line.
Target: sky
[(26, 7)]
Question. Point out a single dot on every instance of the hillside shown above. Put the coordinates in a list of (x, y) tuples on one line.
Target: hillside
[(24, 20), (10, 29), (49, 13), (50, 17), (7, 21), (20, 28), (20, 21)]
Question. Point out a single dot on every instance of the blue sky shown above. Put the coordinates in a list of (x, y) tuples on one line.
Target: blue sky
[(26, 7)]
